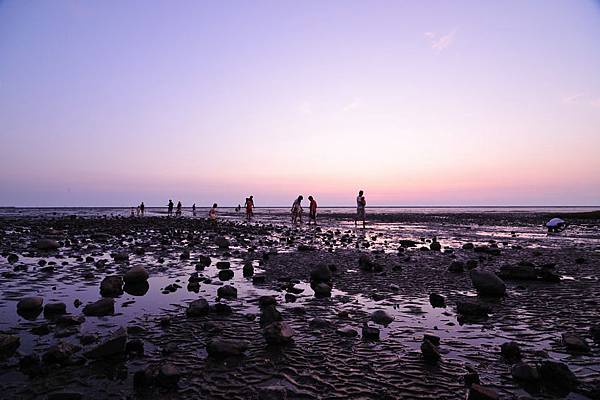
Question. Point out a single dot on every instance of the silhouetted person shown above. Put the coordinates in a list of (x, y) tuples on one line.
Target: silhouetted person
[(249, 208), (361, 203), (194, 209), (297, 210), (312, 210), (212, 214), (142, 208), (170, 208), (238, 208), (178, 211)]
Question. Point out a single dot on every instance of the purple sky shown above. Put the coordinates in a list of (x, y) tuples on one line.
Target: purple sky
[(109, 103)]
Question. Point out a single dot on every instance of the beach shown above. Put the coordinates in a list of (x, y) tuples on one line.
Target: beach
[(423, 304)]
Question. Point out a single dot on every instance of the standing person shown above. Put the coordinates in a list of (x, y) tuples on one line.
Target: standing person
[(194, 209), (249, 208), (170, 208), (178, 211), (238, 208), (361, 203), (212, 214), (312, 210), (142, 207), (297, 210)]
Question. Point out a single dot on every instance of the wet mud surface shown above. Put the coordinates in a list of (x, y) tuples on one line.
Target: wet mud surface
[(164, 352)]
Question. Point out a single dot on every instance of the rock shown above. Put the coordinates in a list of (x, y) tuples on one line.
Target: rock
[(278, 332), (227, 292), (471, 377), (225, 275), (222, 242), (305, 247), (472, 264), (197, 308), (134, 347), (185, 255), (111, 286), (120, 257), (478, 392), (29, 305), (69, 320), (408, 243), (319, 323), (47, 244), (370, 332), (60, 353), (347, 331), (575, 343), (524, 372), (259, 279), (204, 261), (168, 375), (100, 308), (12, 258), (8, 345), (510, 351), (468, 246), (595, 332), (54, 309), (269, 315), (472, 308), (290, 298), (435, 245), (381, 317), (487, 283), (435, 340), (223, 265), (558, 376), (365, 263), (226, 347), (248, 269), (322, 290), (274, 392), (113, 345), (264, 301), (321, 273), (136, 274), (221, 309), (456, 266), (430, 352), (136, 289), (518, 272), (437, 300)]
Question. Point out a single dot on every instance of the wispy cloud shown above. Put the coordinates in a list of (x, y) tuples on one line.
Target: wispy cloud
[(572, 98), (438, 41)]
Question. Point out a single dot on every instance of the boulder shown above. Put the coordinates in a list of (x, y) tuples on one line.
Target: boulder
[(510, 351), (487, 283), (113, 345), (320, 273), (100, 308), (136, 274), (575, 343), (524, 372), (30, 305), (47, 244), (8, 345), (60, 353), (478, 392), (322, 290), (430, 352), (381, 317), (558, 376), (111, 286), (226, 347), (198, 308), (227, 292), (278, 332)]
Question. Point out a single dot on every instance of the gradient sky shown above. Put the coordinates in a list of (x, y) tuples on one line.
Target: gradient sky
[(109, 103)]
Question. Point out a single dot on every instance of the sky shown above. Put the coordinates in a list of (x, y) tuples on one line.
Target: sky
[(110, 103)]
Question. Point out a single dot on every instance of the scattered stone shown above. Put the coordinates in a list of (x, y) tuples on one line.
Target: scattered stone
[(487, 283), (47, 244), (347, 331), (54, 309), (223, 265), (435, 245), (525, 372), (113, 345), (468, 246), (511, 351), (264, 301), (8, 345), (575, 343), (227, 292), (430, 352), (197, 308), (322, 290), (168, 375), (472, 309), (136, 274), (222, 242), (558, 376), (435, 340), (319, 323), (248, 269), (120, 257), (381, 317), (111, 286), (60, 353), (226, 347), (226, 274), (437, 300), (12, 258), (100, 308), (278, 332), (28, 305)]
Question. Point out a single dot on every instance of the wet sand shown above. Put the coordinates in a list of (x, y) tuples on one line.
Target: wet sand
[(330, 356)]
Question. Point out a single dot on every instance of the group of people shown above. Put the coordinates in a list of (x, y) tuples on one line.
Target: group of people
[(296, 209)]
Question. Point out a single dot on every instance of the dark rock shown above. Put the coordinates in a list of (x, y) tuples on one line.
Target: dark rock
[(518, 272), (197, 308), (8, 345), (185, 255), (558, 376), (575, 343), (111, 286), (222, 242), (54, 309), (120, 257), (30, 305), (168, 375), (47, 244), (430, 352), (222, 309), (60, 353), (435, 245), (259, 279), (487, 283), (435, 340), (278, 332), (269, 315), (478, 392), (136, 289), (204, 261), (12, 258), (305, 247), (248, 269), (381, 317), (100, 308), (595, 332), (347, 331), (223, 265), (408, 243), (226, 347), (525, 372), (69, 320), (456, 266), (113, 345), (468, 246), (370, 332), (322, 290), (136, 274), (510, 351), (472, 308), (227, 292), (264, 301), (226, 274), (321, 273), (319, 323), (437, 300)]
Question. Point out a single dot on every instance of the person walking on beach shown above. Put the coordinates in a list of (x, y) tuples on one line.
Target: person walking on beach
[(297, 210), (170, 208), (178, 211), (312, 210), (142, 207), (194, 209), (361, 203), (212, 214), (249, 208)]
